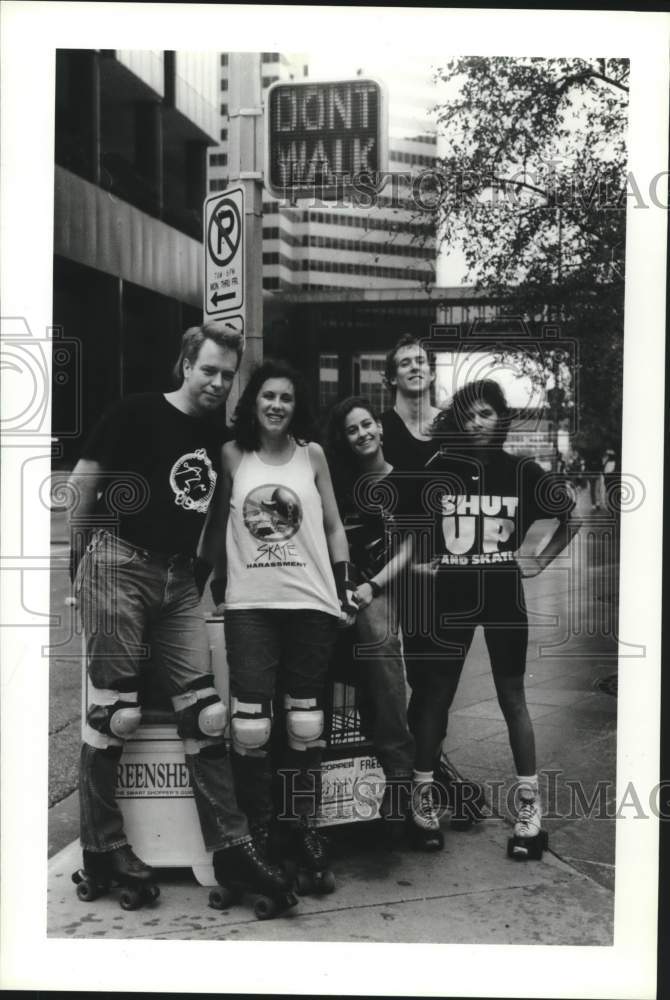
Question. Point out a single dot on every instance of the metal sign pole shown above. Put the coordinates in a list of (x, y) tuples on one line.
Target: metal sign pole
[(245, 160)]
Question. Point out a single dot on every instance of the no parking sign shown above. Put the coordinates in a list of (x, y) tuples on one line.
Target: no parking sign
[(224, 296)]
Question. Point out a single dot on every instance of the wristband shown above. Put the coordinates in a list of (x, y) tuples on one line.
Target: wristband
[(345, 583), (218, 589), (374, 587)]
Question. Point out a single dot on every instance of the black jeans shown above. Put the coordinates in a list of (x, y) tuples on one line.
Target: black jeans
[(289, 651)]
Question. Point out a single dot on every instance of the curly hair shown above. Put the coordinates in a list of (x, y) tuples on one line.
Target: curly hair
[(451, 421), (245, 423), (341, 459)]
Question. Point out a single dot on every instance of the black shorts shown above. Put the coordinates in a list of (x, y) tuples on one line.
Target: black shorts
[(443, 612)]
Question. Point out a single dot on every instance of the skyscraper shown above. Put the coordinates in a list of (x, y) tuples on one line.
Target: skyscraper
[(383, 242)]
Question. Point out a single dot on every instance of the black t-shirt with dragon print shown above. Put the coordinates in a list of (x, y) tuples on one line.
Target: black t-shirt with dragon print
[(160, 470)]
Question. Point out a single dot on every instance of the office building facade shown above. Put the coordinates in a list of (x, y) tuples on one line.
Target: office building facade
[(131, 139)]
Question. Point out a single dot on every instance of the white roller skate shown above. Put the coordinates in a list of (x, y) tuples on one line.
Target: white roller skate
[(529, 839), (424, 819)]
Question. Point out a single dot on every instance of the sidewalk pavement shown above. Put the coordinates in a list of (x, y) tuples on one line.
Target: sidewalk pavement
[(471, 892)]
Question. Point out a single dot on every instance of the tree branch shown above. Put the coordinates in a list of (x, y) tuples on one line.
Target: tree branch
[(564, 82)]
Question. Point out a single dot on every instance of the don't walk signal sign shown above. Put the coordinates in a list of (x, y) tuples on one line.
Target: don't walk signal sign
[(324, 137)]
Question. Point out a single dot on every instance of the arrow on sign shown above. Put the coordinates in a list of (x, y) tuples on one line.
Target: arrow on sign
[(216, 298)]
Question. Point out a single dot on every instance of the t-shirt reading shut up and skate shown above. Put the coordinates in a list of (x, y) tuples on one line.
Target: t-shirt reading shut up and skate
[(481, 505), (160, 470)]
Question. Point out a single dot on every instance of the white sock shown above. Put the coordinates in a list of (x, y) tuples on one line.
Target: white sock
[(528, 781), (422, 777)]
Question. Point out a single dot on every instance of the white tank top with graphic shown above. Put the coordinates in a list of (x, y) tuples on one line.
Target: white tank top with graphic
[(275, 541)]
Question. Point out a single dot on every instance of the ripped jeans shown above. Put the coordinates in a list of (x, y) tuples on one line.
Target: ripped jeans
[(129, 598)]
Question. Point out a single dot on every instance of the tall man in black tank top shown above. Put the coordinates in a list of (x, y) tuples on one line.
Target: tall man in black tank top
[(141, 492), (409, 446)]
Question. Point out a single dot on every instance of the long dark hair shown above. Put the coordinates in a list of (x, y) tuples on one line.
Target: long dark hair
[(344, 468), (245, 424), (450, 423)]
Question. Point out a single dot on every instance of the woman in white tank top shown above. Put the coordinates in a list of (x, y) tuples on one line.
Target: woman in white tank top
[(287, 584)]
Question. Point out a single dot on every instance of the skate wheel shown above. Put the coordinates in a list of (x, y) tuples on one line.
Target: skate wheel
[(222, 898), (152, 892), (517, 851), (303, 883), (130, 899), (265, 908), (86, 891), (325, 883)]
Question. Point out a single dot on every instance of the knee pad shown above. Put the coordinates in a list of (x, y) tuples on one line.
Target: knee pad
[(250, 727), (201, 715), (113, 717), (304, 723)]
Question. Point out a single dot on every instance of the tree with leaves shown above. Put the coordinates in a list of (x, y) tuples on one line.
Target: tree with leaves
[(532, 188)]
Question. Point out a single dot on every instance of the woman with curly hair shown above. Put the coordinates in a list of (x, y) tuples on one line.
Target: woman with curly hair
[(371, 496), (284, 582), (482, 501)]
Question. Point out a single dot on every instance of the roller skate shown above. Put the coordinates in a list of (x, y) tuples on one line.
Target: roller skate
[(529, 840), (261, 834), (463, 797), (308, 861), (118, 868), (423, 823), (241, 871)]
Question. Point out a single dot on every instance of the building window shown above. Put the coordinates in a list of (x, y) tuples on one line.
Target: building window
[(267, 80), (271, 283), (370, 370), (224, 109), (224, 58), (224, 84), (218, 159), (267, 57), (224, 134), (329, 380), (218, 184)]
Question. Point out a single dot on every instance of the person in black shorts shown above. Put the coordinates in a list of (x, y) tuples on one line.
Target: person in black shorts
[(479, 501)]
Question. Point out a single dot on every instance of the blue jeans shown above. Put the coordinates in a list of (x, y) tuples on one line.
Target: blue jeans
[(290, 651), (128, 597), (380, 668)]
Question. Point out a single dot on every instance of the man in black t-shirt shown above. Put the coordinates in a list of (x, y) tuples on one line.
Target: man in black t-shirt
[(142, 489), (409, 373)]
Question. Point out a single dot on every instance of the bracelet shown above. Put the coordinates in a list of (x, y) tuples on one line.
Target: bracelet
[(374, 587)]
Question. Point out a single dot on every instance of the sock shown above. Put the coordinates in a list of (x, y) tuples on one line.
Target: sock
[(528, 781), (422, 777)]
